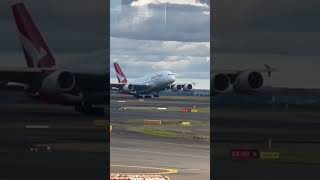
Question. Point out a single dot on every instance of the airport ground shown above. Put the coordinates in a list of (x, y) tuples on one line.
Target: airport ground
[(41, 141), (168, 148), (291, 132), (78, 147)]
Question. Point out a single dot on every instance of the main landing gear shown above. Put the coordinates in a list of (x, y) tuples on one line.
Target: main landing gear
[(147, 96)]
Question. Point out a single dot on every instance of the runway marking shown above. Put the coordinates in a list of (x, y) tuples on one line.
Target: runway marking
[(164, 170), (193, 169), (122, 101), (162, 153), (37, 126), (168, 143)]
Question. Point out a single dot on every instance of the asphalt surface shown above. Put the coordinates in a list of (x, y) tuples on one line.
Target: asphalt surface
[(187, 160), (177, 158), (176, 103), (282, 125), (252, 128), (228, 169), (26, 127)]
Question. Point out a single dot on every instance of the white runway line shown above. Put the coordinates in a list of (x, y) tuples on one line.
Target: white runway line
[(37, 126), (122, 101)]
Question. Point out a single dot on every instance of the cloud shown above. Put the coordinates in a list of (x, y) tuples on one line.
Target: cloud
[(169, 48), (138, 57), (189, 2), (68, 26), (179, 22), (284, 26)]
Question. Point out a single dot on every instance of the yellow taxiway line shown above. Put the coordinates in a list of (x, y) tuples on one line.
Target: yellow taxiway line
[(163, 170)]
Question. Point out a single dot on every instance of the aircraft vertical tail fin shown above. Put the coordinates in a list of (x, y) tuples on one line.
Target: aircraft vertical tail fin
[(121, 77), (35, 49)]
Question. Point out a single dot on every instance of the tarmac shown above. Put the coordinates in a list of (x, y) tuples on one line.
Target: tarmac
[(293, 132), (177, 158), (40, 141), (79, 149)]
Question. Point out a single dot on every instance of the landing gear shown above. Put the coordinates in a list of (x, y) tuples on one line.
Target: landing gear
[(146, 96), (87, 109), (138, 96)]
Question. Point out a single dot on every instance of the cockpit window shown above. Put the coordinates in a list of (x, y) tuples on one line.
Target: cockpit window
[(171, 74)]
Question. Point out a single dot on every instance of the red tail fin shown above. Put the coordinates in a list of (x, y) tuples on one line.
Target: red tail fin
[(121, 77), (35, 49)]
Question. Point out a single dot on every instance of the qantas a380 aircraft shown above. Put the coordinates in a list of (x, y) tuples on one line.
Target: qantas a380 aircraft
[(148, 85), (224, 81), (43, 80)]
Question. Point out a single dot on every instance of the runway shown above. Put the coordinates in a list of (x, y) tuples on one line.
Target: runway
[(294, 133), (78, 145), (188, 160), (182, 158), (50, 142), (173, 105), (286, 126)]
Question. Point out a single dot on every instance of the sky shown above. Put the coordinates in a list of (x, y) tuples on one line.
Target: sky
[(154, 35), (249, 33), (68, 30), (282, 33)]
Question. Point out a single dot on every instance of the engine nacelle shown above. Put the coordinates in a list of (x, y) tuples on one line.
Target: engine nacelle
[(58, 82), (248, 81), (128, 88), (176, 87), (222, 83), (187, 87)]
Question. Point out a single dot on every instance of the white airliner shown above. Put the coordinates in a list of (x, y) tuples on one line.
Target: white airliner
[(43, 80), (148, 85)]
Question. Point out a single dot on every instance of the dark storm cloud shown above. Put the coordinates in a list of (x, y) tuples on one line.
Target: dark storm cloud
[(274, 26), (68, 26)]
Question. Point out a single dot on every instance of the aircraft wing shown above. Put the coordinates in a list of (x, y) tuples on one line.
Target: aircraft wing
[(34, 76), (23, 75), (237, 71), (268, 69)]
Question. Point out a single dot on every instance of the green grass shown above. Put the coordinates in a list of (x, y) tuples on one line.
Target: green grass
[(156, 132), (172, 131)]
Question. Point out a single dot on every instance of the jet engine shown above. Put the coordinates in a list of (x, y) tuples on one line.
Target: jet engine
[(221, 83), (128, 88), (248, 81), (58, 82), (187, 87), (176, 87)]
